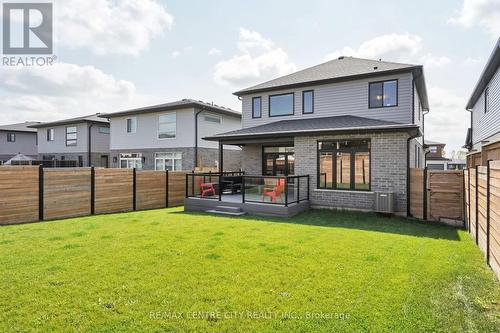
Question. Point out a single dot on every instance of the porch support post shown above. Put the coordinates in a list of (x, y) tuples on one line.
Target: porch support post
[(221, 168)]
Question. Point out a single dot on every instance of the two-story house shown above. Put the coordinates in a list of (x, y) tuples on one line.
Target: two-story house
[(483, 137), (17, 139), (170, 136), (355, 126), (84, 140)]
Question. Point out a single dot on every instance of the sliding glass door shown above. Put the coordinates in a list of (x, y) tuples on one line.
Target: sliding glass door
[(278, 161)]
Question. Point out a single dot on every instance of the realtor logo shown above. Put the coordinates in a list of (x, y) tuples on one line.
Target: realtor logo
[(27, 28)]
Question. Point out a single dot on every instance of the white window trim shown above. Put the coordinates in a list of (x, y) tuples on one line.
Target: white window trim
[(158, 127), (213, 116), (52, 134), (134, 128), (173, 159), (130, 159)]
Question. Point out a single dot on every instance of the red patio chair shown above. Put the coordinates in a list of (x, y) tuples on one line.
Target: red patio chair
[(207, 189), (274, 193)]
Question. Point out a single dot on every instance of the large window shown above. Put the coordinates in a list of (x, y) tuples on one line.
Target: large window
[(11, 137), (211, 118), (131, 125), (383, 94), (168, 161), (278, 161), (281, 105), (131, 160), (167, 126), (256, 107), (104, 130), (308, 101), (50, 134), (344, 165), (71, 136)]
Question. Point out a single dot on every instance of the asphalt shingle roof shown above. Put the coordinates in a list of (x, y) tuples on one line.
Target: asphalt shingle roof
[(184, 103), (20, 127), (342, 67), (324, 124), (89, 118)]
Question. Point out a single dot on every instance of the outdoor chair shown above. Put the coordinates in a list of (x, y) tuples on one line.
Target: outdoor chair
[(274, 193), (207, 189)]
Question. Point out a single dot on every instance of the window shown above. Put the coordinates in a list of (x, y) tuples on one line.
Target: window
[(308, 101), (131, 125), (11, 137), (486, 98), (344, 165), (103, 130), (256, 107), (278, 161), (213, 119), (131, 160), (281, 105), (50, 134), (167, 126), (71, 136), (383, 94), (433, 149), (168, 161)]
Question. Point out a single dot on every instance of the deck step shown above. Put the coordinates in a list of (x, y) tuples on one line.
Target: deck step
[(229, 209), (221, 212)]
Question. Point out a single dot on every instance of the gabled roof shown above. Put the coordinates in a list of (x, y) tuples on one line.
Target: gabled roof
[(20, 127), (485, 78), (342, 69), (184, 103), (93, 118), (312, 125), (434, 143)]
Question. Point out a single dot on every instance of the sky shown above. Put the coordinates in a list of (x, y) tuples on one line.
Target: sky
[(114, 55)]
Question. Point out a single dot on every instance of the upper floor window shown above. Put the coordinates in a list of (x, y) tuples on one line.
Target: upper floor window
[(486, 98), (308, 101), (213, 119), (281, 105), (11, 137), (50, 134), (131, 125), (256, 107), (383, 94), (71, 136), (103, 129), (167, 126), (433, 149)]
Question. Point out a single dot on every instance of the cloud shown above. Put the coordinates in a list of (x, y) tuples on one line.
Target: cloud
[(60, 91), (214, 51), (396, 47), (175, 54), (483, 13), (430, 60), (110, 27), (258, 59)]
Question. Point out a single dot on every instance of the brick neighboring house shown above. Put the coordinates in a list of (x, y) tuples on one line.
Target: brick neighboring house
[(355, 126), (483, 137), (84, 140), (170, 136), (17, 138)]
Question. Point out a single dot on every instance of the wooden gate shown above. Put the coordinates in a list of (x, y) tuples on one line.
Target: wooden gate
[(445, 195)]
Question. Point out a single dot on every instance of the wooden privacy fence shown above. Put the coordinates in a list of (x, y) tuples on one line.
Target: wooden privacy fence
[(30, 193), (482, 208), (436, 195)]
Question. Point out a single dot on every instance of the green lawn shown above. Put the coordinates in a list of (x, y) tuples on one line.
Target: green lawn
[(166, 270)]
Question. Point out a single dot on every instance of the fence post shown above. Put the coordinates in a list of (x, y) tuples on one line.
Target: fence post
[(134, 189), (220, 186), (192, 183), (92, 190), (243, 189), (488, 212), (308, 183), (298, 189), (186, 185), (166, 188), (468, 190), (40, 192), (424, 194), (477, 204)]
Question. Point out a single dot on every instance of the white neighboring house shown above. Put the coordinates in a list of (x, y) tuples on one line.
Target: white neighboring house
[(436, 160)]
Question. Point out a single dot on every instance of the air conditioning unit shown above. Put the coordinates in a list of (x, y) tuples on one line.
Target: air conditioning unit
[(384, 202)]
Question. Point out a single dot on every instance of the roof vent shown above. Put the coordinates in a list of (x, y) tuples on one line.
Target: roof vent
[(341, 57), (375, 68)]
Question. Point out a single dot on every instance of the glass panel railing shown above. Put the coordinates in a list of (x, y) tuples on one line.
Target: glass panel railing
[(263, 189), (204, 186)]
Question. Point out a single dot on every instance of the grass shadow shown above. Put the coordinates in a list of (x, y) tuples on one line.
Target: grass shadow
[(360, 221)]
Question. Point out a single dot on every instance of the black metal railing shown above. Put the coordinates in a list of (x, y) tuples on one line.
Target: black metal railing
[(238, 187)]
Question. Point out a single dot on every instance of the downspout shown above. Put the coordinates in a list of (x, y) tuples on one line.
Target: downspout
[(90, 145), (423, 137), (196, 136)]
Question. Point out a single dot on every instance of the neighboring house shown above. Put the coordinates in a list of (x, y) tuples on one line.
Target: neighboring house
[(82, 139), (169, 136), (17, 138), (355, 126), (436, 160), (483, 137)]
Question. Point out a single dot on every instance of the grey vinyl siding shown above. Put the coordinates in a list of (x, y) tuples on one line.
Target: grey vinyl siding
[(58, 146), (206, 128), (487, 125), (336, 99), (100, 141), (146, 135), (25, 144)]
